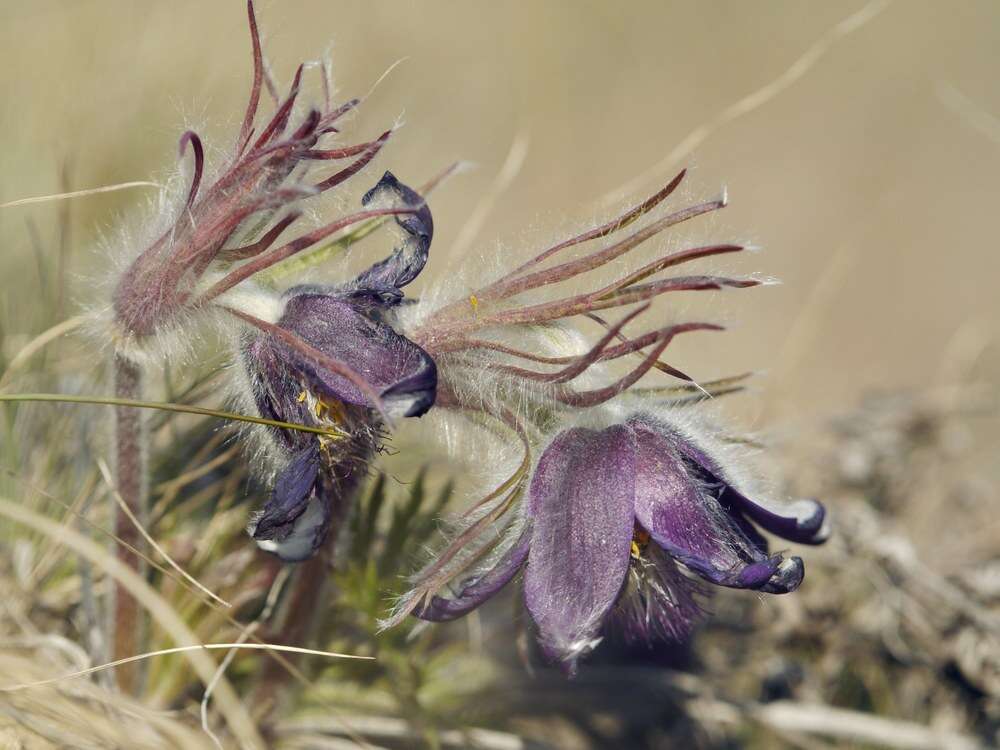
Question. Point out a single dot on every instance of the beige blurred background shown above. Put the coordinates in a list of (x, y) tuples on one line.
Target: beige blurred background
[(870, 182)]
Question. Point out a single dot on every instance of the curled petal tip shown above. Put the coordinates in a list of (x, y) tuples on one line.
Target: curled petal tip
[(787, 577), (301, 541), (810, 517), (569, 656), (757, 575), (823, 533)]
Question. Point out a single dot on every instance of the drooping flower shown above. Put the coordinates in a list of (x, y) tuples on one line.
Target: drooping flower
[(609, 524), (609, 516), (325, 357), (294, 373)]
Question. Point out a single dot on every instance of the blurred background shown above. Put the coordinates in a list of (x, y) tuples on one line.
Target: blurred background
[(860, 148)]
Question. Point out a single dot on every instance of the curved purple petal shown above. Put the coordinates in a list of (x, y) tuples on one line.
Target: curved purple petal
[(581, 505), (799, 521), (475, 590), (294, 519), (787, 578), (404, 373), (407, 261), (688, 522), (276, 391)]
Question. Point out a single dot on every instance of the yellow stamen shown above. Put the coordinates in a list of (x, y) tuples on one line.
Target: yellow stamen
[(474, 301), (302, 397), (332, 410), (640, 540)]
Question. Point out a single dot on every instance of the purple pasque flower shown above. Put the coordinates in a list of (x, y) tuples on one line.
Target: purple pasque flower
[(228, 232), (612, 517), (295, 372), (615, 524)]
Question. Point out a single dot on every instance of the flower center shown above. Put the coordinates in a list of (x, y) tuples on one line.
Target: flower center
[(329, 413), (640, 540)]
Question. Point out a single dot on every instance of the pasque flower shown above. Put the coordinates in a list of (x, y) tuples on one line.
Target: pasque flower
[(320, 356), (624, 498), (294, 375), (609, 514)]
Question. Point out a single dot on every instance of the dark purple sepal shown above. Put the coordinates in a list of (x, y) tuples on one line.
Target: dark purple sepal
[(787, 578), (402, 372), (799, 521), (688, 522), (276, 391), (475, 590), (414, 396), (581, 505), (408, 260), (292, 491), (802, 521)]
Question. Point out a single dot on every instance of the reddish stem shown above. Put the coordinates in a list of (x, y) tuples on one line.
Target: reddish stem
[(127, 627)]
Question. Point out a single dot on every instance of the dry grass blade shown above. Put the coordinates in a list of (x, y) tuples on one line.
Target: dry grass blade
[(162, 406), (123, 506), (162, 612), (79, 193), (213, 679), (38, 343)]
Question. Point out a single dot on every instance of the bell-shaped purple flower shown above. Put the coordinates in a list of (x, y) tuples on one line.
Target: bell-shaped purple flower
[(295, 375), (612, 517)]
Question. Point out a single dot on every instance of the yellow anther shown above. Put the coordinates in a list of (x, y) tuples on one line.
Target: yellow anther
[(331, 409), (640, 540), (474, 301), (302, 397)]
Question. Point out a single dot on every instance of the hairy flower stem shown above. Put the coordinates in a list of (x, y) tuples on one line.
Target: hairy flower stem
[(127, 628)]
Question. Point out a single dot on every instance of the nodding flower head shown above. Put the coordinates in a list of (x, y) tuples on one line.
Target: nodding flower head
[(333, 360), (610, 516), (230, 230), (609, 522)]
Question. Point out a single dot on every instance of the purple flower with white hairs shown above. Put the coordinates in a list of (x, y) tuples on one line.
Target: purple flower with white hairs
[(610, 514), (294, 372), (611, 523), (620, 501), (324, 357)]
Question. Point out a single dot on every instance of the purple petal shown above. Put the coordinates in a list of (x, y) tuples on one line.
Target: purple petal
[(787, 578), (475, 590), (294, 519), (801, 521), (688, 522), (276, 390), (797, 520), (581, 504), (404, 373), (408, 260)]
